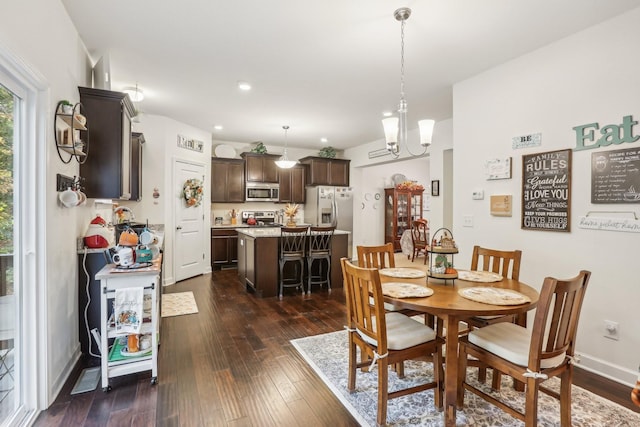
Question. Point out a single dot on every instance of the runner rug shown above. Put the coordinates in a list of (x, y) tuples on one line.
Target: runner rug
[(327, 354), (179, 303)]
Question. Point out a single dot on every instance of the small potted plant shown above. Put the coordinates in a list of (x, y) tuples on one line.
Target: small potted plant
[(259, 148), (66, 107), (327, 152)]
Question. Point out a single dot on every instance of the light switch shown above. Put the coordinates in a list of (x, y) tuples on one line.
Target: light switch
[(477, 195)]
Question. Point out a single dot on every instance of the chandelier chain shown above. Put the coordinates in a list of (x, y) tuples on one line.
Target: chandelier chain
[(402, 58)]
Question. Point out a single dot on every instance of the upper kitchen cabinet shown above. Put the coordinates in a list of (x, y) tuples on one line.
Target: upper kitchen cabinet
[(323, 171), (107, 171), (292, 182), (227, 180), (137, 140), (261, 167)]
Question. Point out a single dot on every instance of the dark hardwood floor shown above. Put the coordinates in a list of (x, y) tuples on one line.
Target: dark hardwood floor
[(232, 365)]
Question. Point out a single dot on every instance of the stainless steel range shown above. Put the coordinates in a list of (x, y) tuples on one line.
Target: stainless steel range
[(263, 218)]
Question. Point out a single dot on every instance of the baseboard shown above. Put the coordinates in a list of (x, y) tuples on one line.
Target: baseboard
[(605, 369), (59, 383)]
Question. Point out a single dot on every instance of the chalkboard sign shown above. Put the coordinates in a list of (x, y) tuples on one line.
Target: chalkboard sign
[(615, 176), (546, 191)]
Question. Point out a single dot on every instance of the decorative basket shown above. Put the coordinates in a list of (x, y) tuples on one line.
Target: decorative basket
[(443, 238)]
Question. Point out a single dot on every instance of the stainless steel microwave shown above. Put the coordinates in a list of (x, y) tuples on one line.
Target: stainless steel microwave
[(259, 192)]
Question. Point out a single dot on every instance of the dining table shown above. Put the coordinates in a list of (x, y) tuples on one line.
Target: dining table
[(450, 307)]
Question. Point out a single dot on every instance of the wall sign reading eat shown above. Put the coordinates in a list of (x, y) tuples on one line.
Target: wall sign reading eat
[(546, 191)]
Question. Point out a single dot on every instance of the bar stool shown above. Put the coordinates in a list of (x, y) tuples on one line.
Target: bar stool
[(292, 249), (319, 248)]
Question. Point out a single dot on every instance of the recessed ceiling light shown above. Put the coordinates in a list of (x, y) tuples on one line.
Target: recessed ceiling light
[(218, 127), (387, 114), (244, 86), (324, 140)]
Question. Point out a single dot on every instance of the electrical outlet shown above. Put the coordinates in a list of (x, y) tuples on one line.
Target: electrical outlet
[(477, 195), (611, 330), (468, 221)]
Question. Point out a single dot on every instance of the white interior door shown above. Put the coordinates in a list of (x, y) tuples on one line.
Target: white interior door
[(189, 248)]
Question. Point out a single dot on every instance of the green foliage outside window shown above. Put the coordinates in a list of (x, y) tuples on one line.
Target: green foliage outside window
[(6, 171)]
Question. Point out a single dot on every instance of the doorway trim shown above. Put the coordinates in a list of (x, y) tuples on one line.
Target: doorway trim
[(30, 265), (205, 235)]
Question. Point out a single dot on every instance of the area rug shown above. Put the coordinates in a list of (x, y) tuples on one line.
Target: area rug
[(327, 354), (178, 303)]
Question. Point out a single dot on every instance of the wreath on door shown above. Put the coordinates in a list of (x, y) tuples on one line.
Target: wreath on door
[(192, 192)]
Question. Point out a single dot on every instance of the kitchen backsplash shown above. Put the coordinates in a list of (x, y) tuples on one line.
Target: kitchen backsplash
[(224, 209)]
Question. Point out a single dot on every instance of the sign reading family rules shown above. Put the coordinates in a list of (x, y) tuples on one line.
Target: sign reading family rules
[(546, 191)]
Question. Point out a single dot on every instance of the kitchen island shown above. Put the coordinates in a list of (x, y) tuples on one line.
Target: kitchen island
[(258, 268)]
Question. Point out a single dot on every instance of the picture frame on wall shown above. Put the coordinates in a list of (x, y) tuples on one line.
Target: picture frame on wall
[(546, 191), (498, 168), (435, 187)]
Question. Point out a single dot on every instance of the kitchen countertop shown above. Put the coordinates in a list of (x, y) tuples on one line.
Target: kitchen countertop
[(273, 232), (233, 226)]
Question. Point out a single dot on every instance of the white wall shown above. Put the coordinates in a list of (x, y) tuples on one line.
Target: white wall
[(371, 176), (158, 155), (592, 76), (40, 33)]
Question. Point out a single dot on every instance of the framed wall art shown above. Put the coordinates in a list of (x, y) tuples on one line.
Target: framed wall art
[(435, 188), (546, 191), (498, 168)]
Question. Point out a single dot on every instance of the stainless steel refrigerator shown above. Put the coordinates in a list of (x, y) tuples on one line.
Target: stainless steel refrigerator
[(326, 206)]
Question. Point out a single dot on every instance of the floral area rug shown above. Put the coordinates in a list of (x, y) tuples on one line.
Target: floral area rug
[(327, 354), (178, 303)]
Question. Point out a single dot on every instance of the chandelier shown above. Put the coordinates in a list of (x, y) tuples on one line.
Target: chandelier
[(395, 128), (284, 162)]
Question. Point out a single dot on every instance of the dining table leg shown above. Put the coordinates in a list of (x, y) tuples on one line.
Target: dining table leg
[(451, 371)]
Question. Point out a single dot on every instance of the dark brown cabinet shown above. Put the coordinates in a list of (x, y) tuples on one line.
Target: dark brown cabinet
[(137, 141), (227, 180), (323, 171), (292, 183), (107, 170), (224, 247), (261, 167)]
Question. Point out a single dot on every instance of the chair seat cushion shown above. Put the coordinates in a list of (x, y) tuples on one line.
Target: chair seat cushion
[(403, 332), (511, 342)]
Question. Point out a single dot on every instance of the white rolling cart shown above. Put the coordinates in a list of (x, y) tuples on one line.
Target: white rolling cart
[(110, 280)]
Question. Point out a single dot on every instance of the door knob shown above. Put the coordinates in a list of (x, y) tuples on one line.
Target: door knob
[(179, 227)]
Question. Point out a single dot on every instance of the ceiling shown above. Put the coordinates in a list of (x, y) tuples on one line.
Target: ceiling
[(326, 68)]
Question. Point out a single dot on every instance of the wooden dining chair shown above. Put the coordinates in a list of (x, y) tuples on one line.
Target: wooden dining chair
[(531, 355), (385, 338), (506, 264), (381, 256), (420, 238)]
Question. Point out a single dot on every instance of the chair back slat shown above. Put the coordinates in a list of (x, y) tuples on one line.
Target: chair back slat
[(360, 285), (504, 263), (320, 240), (556, 318), (376, 256), (292, 241)]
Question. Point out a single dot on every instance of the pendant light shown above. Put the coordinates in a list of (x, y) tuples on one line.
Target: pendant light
[(284, 162), (134, 93), (395, 128)]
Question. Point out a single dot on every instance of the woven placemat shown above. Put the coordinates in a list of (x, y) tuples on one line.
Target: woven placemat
[(479, 276), (494, 296), (403, 273), (405, 290)]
